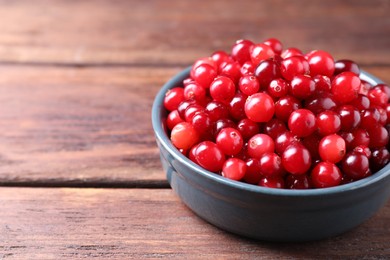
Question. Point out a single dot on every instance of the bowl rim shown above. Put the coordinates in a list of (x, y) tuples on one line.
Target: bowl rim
[(162, 137)]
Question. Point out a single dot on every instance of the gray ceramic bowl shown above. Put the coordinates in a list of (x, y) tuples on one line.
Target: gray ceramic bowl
[(264, 213)]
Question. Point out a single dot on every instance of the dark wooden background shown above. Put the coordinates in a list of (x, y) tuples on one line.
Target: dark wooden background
[(79, 167)]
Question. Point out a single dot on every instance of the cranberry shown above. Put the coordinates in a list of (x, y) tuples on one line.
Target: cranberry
[(184, 136), (249, 85), (252, 174), (237, 106), (302, 122), (345, 87), (278, 88), (380, 136), (275, 44), (267, 71), (355, 165), (219, 57), (222, 89), (271, 165), (302, 86), (332, 148), (247, 68), (248, 128), (291, 52), (349, 116), (283, 141), (293, 66), (272, 182), (241, 51), (217, 110), (173, 98), (296, 159), (230, 141), (274, 128), (321, 63), (325, 174), (297, 182), (260, 52), (346, 65), (231, 70), (320, 102), (259, 107), (204, 74), (379, 158), (285, 106), (260, 144), (328, 122), (234, 169), (209, 156), (173, 119)]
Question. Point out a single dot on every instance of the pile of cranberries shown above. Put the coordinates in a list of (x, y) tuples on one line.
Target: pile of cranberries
[(280, 118)]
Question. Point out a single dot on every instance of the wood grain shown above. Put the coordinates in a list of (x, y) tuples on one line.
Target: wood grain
[(177, 32), (144, 224)]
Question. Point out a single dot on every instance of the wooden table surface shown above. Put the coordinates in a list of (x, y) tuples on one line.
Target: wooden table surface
[(80, 173)]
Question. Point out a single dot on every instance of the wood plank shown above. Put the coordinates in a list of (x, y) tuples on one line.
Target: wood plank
[(177, 32), (70, 125), (82, 127), (143, 223)]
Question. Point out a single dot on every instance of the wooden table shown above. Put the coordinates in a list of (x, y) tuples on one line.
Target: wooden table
[(79, 167)]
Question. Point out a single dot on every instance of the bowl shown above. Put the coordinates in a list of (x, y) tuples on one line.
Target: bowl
[(265, 213)]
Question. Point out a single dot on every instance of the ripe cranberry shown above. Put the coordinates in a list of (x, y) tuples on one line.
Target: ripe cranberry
[(252, 174), (247, 68), (363, 150), (332, 148), (328, 122), (293, 66), (378, 97), (346, 65), (379, 158), (369, 118), (260, 144), (221, 124), (380, 136), (323, 83), (209, 156), (274, 128), (195, 91), (203, 125), (259, 107), (325, 174), (267, 71), (248, 128), (249, 85), (217, 110), (302, 122), (219, 57), (320, 102), (237, 106), (260, 52), (297, 182), (230, 141), (173, 98), (278, 88), (191, 111), (275, 44), (231, 70), (285, 106), (360, 137), (271, 165), (204, 74), (302, 86), (241, 51), (222, 89), (184, 136), (173, 119), (355, 165), (234, 169), (181, 109), (362, 102), (291, 52), (272, 182), (345, 87), (296, 159), (283, 141), (349, 116), (312, 143), (321, 63)]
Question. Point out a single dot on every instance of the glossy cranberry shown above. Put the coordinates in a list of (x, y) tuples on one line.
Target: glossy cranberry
[(323, 83), (332, 148), (361, 103), (345, 87), (272, 182), (267, 71), (259, 107), (321, 63), (247, 69), (360, 137), (349, 116), (173, 119), (274, 128), (217, 110), (293, 66), (203, 125), (234, 169), (195, 91), (385, 88), (219, 57), (328, 122), (231, 70), (237, 106), (320, 102), (278, 88), (382, 115), (191, 111), (173, 98), (184, 136), (355, 165), (204, 74), (302, 122), (325, 174), (260, 52), (252, 174), (380, 136), (275, 44), (271, 165), (346, 65), (369, 118), (260, 144), (378, 97), (302, 87), (181, 109), (230, 141), (241, 51), (379, 158), (249, 85), (291, 52), (205, 61), (248, 128), (285, 106), (364, 87), (209, 156), (221, 124), (348, 138), (296, 159), (363, 150), (283, 141), (222, 89), (312, 142), (297, 182)]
